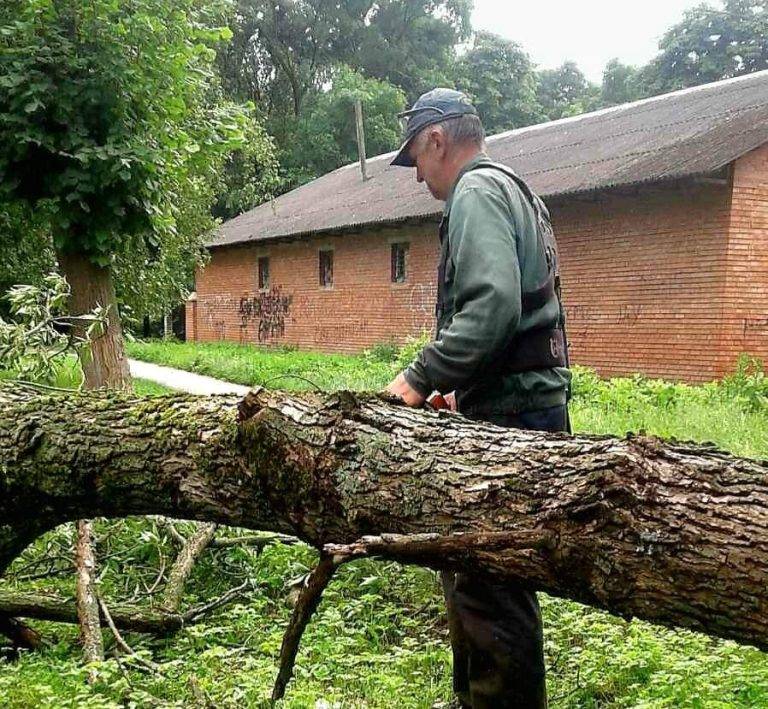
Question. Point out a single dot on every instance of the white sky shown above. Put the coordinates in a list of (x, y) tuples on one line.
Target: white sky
[(589, 32)]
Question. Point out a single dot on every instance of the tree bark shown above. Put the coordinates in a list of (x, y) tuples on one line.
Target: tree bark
[(675, 533), (182, 567), (104, 365), (91, 286), (86, 595), (64, 610)]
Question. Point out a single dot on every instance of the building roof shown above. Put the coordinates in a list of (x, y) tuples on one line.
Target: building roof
[(695, 131)]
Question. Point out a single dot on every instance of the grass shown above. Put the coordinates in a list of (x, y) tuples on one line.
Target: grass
[(69, 377), (278, 369), (379, 638)]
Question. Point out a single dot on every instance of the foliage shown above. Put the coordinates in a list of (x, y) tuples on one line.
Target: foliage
[(107, 139), (710, 44), (40, 334), (620, 84), (251, 173), (290, 58), (380, 630), (325, 137), (565, 91), (412, 43), (26, 248), (283, 50), (500, 78)]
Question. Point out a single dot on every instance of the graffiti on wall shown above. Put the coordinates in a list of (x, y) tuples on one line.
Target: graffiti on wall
[(630, 314), (270, 309), (421, 306), (578, 319), (211, 309), (756, 325)]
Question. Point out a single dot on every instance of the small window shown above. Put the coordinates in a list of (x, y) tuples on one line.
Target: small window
[(399, 253), (263, 272), (326, 268)]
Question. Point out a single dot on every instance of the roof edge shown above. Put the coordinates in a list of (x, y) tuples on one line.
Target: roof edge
[(423, 218), (416, 219)]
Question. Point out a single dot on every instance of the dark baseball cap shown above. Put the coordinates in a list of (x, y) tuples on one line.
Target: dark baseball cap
[(432, 107)]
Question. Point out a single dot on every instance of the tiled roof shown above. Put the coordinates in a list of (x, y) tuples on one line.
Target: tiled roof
[(695, 131)]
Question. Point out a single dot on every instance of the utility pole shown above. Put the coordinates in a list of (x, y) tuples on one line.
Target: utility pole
[(360, 137)]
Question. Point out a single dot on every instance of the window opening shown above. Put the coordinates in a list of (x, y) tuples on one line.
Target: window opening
[(326, 268), (399, 254), (263, 272)]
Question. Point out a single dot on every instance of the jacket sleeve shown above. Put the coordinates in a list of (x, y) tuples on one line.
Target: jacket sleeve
[(486, 287)]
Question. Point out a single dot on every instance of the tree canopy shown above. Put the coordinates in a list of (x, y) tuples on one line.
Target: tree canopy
[(113, 131), (710, 44), (501, 80)]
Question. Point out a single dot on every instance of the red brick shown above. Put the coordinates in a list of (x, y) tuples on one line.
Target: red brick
[(670, 281)]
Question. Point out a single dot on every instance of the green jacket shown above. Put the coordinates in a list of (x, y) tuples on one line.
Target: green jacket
[(493, 255)]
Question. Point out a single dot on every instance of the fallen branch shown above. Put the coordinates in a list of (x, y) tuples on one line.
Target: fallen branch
[(124, 646), (140, 619), (255, 541), (193, 614), (182, 567), (63, 610), (309, 598), (86, 597)]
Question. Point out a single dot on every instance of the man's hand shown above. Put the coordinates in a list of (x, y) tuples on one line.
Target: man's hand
[(401, 388)]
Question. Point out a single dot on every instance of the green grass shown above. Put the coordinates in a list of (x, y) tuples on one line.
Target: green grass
[(379, 638), (69, 377), (278, 369)]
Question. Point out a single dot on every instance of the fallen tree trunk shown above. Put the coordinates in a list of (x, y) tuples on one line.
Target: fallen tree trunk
[(670, 532), (63, 610), (126, 616)]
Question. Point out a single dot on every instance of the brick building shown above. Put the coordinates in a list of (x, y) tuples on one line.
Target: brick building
[(660, 208)]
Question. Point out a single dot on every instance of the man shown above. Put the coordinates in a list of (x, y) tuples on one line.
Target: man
[(500, 353)]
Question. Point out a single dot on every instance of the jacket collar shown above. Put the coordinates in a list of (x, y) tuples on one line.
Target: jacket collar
[(476, 161)]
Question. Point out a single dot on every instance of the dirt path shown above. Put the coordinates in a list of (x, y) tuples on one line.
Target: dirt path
[(184, 381)]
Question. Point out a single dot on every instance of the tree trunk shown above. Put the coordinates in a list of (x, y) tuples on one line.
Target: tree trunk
[(104, 365), (86, 595), (91, 285), (64, 610), (675, 533)]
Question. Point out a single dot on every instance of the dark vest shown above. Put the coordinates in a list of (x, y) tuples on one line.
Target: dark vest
[(541, 348)]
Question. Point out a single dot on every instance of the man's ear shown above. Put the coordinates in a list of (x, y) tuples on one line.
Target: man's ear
[(437, 136)]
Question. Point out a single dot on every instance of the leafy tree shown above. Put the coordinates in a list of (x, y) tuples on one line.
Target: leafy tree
[(325, 137), (500, 78), (710, 44), (107, 117), (565, 91), (620, 84), (411, 43), (250, 175), (285, 53), (282, 50), (26, 248)]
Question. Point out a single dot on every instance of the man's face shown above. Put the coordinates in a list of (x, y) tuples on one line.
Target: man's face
[(428, 153)]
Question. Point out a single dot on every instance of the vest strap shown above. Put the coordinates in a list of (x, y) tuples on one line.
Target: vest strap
[(536, 349)]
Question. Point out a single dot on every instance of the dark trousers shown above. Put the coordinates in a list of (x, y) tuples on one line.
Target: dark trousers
[(495, 628)]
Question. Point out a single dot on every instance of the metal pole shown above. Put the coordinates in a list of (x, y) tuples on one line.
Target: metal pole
[(360, 137)]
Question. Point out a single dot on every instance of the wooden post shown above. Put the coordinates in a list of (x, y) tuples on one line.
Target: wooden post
[(360, 136)]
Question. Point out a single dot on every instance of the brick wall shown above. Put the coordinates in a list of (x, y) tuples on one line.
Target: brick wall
[(745, 325), (644, 277), (362, 307)]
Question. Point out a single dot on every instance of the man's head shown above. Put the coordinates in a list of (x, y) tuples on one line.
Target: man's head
[(443, 133)]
